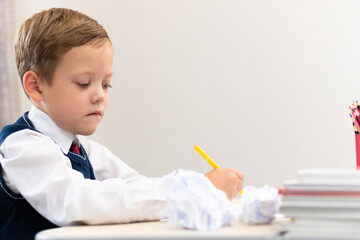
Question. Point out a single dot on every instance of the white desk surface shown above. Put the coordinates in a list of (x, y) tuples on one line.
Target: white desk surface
[(159, 230)]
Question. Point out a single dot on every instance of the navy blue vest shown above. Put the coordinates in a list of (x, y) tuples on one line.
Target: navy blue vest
[(18, 219)]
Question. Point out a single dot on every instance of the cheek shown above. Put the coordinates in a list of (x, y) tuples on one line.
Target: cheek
[(57, 98), (106, 101), (71, 102)]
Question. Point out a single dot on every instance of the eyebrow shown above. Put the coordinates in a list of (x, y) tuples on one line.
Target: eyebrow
[(89, 73), (109, 74)]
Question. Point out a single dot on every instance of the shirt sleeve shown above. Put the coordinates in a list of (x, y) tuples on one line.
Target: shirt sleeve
[(44, 176), (106, 164)]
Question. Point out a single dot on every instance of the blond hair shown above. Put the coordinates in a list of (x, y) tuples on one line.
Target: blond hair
[(45, 37)]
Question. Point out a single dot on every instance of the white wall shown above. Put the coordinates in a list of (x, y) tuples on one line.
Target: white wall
[(262, 86)]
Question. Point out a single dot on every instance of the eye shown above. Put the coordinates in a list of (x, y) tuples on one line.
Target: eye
[(106, 86), (83, 85)]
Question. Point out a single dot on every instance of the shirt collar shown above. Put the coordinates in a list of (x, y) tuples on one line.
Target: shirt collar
[(43, 123)]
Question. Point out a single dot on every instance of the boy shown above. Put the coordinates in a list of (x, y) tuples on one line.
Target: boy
[(50, 174)]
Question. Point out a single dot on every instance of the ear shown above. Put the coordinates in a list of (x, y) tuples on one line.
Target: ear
[(31, 84)]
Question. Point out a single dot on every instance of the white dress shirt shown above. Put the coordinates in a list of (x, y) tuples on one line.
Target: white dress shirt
[(34, 165)]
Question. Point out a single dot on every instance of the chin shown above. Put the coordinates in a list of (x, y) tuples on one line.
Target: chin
[(86, 132)]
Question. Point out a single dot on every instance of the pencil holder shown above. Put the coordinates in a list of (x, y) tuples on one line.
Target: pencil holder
[(357, 147)]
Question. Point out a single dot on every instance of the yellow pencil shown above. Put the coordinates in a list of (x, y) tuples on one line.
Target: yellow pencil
[(207, 158)]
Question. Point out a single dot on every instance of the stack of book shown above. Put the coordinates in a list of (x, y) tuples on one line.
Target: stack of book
[(322, 204)]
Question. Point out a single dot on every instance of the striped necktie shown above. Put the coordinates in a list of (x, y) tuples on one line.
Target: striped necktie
[(75, 148)]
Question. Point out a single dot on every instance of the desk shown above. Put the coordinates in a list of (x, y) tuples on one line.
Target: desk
[(159, 230)]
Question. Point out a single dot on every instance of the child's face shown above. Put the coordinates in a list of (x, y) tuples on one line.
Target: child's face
[(78, 96)]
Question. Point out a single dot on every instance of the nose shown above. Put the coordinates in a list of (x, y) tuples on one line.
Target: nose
[(98, 95)]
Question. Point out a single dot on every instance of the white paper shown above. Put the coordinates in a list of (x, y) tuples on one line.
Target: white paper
[(195, 203), (259, 205)]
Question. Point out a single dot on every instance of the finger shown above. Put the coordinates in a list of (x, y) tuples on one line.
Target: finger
[(239, 187), (236, 192), (239, 174)]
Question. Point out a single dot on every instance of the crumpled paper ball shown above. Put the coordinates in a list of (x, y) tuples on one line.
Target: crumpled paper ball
[(195, 203), (259, 205)]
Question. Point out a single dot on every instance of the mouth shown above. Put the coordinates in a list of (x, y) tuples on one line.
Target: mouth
[(96, 113)]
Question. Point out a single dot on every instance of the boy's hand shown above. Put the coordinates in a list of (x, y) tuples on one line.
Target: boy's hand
[(227, 179)]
